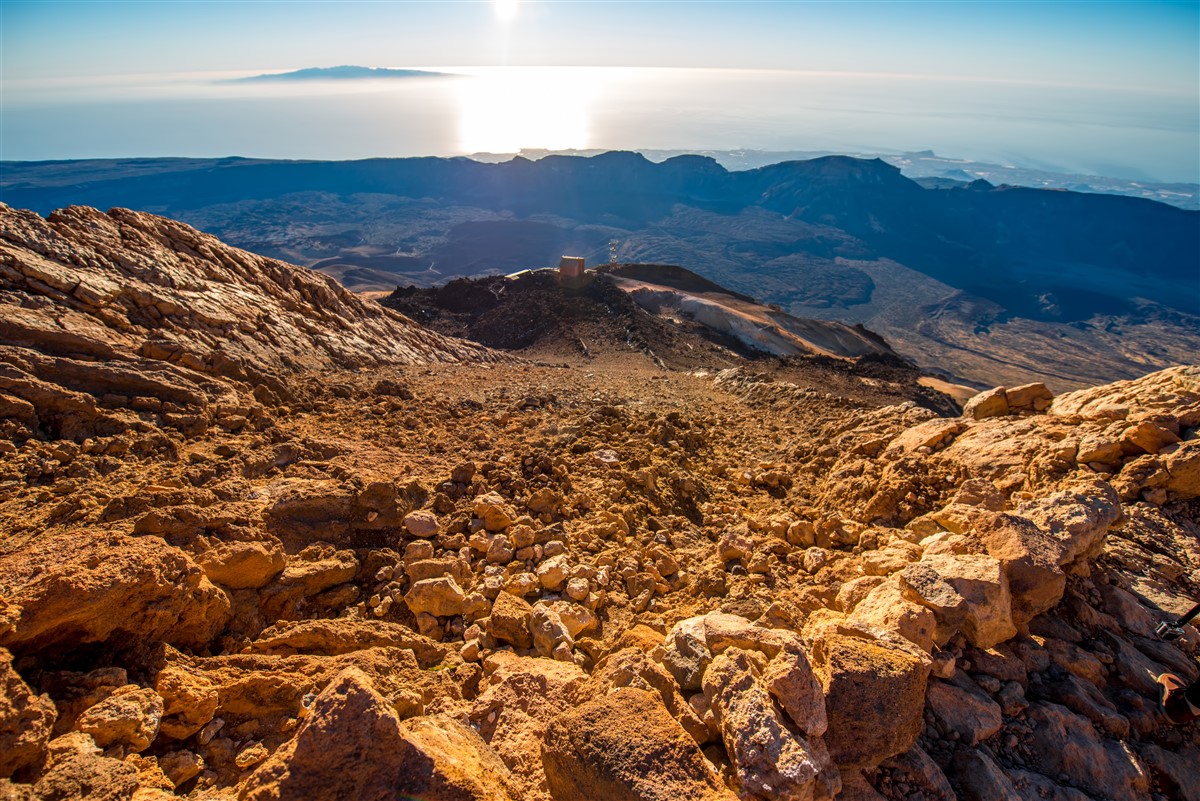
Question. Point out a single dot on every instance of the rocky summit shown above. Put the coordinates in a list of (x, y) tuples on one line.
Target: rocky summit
[(263, 539)]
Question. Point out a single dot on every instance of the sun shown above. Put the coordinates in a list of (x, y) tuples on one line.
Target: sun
[(506, 10)]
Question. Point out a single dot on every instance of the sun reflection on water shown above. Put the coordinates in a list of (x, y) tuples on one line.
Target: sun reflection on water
[(505, 109)]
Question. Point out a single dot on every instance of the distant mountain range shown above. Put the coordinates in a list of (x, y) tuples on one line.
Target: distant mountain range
[(343, 73), (925, 167), (990, 284)]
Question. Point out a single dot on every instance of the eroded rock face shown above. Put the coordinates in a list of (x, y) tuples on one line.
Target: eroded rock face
[(625, 746), (135, 282), (26, 721), (84, 587)]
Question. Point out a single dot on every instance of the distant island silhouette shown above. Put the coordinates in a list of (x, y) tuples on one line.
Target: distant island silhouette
[(342, 73)]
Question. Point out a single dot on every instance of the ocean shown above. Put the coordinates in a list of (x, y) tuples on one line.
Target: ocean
[(1076, 129)]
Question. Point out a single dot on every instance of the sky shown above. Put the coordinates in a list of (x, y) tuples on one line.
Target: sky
[(1146, 53), (1144, 44)]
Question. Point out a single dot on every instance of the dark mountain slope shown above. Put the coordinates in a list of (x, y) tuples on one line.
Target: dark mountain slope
[(847, 239)]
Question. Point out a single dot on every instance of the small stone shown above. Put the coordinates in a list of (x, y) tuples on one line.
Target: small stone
[(251, 755), (213, 726), (180, 766), (129, 717), (578, 589), (422, 523), (441, 597)]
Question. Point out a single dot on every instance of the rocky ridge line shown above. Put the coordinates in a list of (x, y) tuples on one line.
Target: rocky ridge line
[(105, 313)]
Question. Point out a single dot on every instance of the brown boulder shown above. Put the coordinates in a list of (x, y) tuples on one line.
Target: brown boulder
[(626, 747), (510, 620), (989, 403), (319, 568), (445, 760), (260, 686), (189, 701), (1183, 467), (964, 709), (975, 596), (1174, 391), (83, 587), (1068, 744), (770, 760), (494, 511), (888, 607), (243, 565), (631, 667), (352, 745), (77, 770), (523, 696), (1031, 560), (1029, 397), (1077, 519), (440, 597), (342, 636), (874, 698), (129, 717), (981, 779), (790, 679)]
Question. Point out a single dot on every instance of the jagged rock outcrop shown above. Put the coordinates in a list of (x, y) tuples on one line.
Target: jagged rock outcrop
[(26, 721), (71, 589), (104, 314)]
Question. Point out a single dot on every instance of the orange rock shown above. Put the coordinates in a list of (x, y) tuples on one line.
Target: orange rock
[(85, 587), (626, 746)]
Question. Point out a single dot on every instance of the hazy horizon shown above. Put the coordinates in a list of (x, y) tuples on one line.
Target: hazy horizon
[(1108, 89)]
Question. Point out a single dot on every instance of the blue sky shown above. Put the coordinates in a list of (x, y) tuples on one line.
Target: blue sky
[(1144, 45), (1109, 88)]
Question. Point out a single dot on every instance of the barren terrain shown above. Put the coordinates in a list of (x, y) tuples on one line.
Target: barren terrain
[(262, 539)]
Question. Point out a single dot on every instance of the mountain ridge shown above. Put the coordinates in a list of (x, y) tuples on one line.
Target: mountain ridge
[(830, 237)]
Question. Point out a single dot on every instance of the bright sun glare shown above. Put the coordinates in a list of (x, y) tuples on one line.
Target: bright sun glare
[(505, 109), (506, 9)]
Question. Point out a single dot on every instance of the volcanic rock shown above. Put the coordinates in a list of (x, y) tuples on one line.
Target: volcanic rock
[(625, 747), (85, 587), (26, 721), (865, 682), (351, 744), (129, 717), (510, 620), (770, 760)]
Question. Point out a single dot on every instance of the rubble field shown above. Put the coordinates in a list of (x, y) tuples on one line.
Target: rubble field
[(261, 539)]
